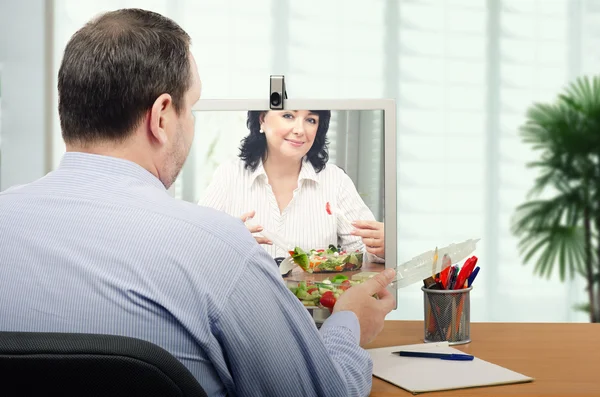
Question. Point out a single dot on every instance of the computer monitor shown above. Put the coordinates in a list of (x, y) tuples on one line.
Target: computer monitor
[(361, 139)]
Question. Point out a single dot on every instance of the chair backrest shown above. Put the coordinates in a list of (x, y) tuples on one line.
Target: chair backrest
[(64, 364)]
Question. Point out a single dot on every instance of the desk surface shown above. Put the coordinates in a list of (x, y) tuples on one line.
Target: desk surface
[(564, 358)]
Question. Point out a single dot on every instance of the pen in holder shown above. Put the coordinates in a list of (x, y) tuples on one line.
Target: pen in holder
[(447, 315)]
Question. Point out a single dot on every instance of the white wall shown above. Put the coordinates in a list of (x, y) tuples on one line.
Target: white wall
[(24, 34), (462, 71)]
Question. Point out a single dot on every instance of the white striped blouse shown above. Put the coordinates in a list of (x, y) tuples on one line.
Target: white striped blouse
[(304, 222)]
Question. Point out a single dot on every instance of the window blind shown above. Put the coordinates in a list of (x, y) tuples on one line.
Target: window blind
[(533, 68), (441, 129), (463, 73)]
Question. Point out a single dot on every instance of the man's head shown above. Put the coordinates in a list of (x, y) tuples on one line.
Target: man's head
[(126, 87)]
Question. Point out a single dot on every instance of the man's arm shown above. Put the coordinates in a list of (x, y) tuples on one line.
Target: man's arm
[(273, 347)]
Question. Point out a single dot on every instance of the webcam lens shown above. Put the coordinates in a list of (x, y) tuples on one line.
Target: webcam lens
[(275, 99)]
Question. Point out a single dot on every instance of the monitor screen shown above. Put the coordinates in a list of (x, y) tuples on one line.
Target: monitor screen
[(343, 154)]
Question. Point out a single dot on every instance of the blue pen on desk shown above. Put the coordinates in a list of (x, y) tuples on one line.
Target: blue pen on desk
[(443, 356)]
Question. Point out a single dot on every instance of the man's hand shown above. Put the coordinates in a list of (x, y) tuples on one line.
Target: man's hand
[(372, 234), (255, 228), (370, 311)]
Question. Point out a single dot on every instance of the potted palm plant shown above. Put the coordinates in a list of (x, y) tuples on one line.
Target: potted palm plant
[(560, 224)]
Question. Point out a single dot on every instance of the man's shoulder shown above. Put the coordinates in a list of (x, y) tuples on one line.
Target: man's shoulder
[(221, 240), (209, 221), (13, 189)]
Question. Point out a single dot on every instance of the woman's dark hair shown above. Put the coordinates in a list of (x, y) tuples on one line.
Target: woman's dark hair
[(254, 146), (114, 68)]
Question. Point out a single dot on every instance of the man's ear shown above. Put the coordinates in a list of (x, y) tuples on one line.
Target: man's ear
[(161, 111)]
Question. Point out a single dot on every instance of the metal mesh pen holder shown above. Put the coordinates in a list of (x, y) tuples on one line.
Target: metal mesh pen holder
[(447, 315)]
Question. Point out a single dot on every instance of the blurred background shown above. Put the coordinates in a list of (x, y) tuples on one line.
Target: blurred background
[(463, 73)]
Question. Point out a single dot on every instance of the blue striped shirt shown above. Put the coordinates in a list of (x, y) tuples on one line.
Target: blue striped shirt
[(98, 245)]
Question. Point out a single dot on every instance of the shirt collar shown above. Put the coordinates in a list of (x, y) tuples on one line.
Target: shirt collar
[(307, 172), (108, 165), (259, 172)]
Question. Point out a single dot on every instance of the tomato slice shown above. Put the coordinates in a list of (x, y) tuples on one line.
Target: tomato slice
[(328, 300), (345, 285)]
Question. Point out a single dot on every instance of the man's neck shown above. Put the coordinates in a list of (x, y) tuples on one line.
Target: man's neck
[(120, 151)]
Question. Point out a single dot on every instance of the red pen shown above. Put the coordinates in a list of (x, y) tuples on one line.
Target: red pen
[(444, 273), (465, 272)]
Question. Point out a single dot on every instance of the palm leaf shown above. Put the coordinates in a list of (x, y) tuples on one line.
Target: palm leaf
[(565, 134), (557, 245), (559, 129), (539, 215), (584, 95), (551, 176), (582, 307)]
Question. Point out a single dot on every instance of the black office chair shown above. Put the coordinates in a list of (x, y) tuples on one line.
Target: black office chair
[(63, 364)]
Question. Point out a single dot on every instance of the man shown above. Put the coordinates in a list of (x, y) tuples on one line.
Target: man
[(99, 246)]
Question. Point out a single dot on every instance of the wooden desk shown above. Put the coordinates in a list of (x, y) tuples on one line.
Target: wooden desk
[(564, 358)]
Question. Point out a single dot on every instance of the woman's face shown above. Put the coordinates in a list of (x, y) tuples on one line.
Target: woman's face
[(290, 133)]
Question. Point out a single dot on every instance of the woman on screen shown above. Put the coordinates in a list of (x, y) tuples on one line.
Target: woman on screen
[(283, 183)]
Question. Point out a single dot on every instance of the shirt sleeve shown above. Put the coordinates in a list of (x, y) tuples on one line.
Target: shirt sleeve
[(353, 207), (273, 348)]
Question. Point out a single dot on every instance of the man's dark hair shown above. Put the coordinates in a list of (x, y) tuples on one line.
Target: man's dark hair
[(254, 145), (113, 70)]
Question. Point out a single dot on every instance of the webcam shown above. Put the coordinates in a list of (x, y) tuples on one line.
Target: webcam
[(277, 93)]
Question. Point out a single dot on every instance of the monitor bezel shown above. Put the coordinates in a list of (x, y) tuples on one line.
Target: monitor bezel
[(388, 106)]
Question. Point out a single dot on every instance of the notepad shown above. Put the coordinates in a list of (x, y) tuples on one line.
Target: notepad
[(420, 375)]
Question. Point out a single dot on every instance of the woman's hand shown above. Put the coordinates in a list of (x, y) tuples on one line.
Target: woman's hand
[(255, 228), (372, 234)]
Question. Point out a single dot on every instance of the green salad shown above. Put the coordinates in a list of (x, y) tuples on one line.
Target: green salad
[(323, 293), (331, 259)]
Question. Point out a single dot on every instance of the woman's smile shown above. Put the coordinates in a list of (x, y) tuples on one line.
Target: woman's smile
[(294, 142)]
